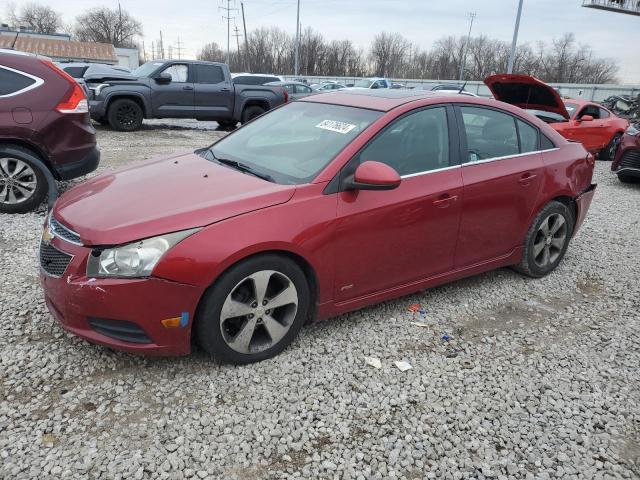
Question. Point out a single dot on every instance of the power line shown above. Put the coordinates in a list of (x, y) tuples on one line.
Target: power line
[(228, 18)]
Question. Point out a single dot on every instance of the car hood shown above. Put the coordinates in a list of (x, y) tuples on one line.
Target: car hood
[(526, 92), (162, 196)]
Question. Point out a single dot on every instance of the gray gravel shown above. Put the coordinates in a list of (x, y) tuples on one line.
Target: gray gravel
[(539, 378)]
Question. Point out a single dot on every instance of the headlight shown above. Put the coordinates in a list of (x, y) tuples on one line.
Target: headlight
[(135, 259), (98, 88), (633, 129)]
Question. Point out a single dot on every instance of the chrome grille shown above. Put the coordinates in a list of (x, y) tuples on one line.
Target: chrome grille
[(63, 232), (52, 260), (630, 159)]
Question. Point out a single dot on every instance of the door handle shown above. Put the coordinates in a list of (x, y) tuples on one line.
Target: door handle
[(445, 200), (187, 88), (225, 90), (526, 179)]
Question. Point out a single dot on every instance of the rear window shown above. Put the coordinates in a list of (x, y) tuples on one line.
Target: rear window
[(12, 82), (254, 80), (76, 72)]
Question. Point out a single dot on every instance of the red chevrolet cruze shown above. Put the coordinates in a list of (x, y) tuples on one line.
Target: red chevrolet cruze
[(322, 206)]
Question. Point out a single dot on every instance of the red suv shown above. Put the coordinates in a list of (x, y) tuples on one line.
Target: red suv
[(325, 205), (45, 130)]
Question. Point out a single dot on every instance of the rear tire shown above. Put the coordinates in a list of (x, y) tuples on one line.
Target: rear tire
[(125, 115), (254, 310), (547, 240), (252, 112), (227, 125), (23, 185), (609, 151)]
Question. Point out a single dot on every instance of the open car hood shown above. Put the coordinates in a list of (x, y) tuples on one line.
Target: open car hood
[(526, 92)]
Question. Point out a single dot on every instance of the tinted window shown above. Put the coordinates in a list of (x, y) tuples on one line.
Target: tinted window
[(76, 72), (528, 137), (179, 73), (288, 87), (246, 80), (416, 143), (546, 144), (12, 82), (302, 89), (490, 134), (209, 74), (592, 110), (294, 143)]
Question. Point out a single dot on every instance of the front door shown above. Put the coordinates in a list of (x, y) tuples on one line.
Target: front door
[(213, 92), (174, 99), (502, 174), (390, 238)]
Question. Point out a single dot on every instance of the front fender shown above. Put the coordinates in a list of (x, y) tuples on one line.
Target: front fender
[(110, 96)]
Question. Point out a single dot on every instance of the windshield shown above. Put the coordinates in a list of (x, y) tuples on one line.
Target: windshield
[(571, 108), (363, 83), (549, 117), (294, 143), (146, 69)]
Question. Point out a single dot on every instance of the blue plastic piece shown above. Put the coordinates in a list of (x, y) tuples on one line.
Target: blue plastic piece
[(445, 337), (184, 319)]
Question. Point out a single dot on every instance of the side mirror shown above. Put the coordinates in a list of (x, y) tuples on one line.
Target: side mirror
[(373, 176), (585, 118), (164, 78)]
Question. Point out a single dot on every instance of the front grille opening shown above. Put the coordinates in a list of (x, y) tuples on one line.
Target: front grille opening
[(630, 159), (122, 330), (52, 260)]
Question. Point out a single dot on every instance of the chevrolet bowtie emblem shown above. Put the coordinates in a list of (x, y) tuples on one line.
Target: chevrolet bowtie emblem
[(47, 235)]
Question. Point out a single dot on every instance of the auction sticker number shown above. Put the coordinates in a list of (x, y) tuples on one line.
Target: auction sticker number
[(335, 126)]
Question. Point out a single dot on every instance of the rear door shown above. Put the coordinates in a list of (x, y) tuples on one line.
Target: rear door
[(391, 238), (502, 174), (175, 99), (213, 92), (592, 132)]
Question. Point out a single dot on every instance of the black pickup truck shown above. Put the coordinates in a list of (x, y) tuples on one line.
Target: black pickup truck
[(177, 89)]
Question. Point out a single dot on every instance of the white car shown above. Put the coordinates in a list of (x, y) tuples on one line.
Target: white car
[(372, 83)]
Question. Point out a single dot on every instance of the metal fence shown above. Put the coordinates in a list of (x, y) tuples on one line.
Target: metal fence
[(586, 91)]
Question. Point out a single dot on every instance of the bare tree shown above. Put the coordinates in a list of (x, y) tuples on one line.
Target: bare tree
[(36, 17), (105, 25), (387, 53), (211, 52)]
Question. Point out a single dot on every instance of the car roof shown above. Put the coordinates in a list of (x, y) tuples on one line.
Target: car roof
[(284, 82), (382, 99)]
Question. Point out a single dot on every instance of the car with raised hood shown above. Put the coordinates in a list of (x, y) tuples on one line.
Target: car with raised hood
[(626, 164), (178, 89), (597, 128), (319, 207), (45, 131)]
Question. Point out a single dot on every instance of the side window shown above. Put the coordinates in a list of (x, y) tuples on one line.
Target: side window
[(12, 82), (415, 143), (528, 137), (209, 74), (603, 113), (490, 134), (546, 144), (289, 88), (590, 110), (179, 73)]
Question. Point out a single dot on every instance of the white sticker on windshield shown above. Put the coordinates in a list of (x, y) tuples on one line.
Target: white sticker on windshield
[(335, 126)]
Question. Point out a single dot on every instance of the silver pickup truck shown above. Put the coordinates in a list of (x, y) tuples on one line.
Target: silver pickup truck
[(177, 89)]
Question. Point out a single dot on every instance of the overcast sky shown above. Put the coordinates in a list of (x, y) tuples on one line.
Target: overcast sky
[(197, 22)]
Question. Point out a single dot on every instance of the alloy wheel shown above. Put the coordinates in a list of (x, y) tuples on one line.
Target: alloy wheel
[(126, 115), (550, 240), (18, 181), (259, 311)]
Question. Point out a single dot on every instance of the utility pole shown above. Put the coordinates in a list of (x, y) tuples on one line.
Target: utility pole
[(170, 52), (228, 18), (161, 46), (144, 52), (119, 24), (153, 50), (237, 35), (246, 41), (295, 68), (178, 48), (463, 60), (514, 42)]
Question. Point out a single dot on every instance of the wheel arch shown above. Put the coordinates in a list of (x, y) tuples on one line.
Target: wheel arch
[(34, 149), (136, 97)]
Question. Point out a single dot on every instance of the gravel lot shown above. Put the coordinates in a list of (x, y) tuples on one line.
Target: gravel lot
[(540, 378)]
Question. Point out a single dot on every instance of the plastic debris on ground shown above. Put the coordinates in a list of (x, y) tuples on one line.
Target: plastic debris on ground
[(414, 307), (374, 362), (446, 337), (403, 366), (420, 324)]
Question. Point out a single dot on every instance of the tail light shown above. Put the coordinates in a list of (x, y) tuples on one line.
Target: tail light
[(286, 96), (75, 100)]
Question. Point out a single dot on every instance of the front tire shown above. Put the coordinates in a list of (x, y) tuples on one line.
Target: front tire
[(23, 185), (609, 151), (125, 115), (628, 178), (252, 112), (547, 240), (254, 310)]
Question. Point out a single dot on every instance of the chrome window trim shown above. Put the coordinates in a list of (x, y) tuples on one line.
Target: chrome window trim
[(426, 172), (36, 84), (510, 156)]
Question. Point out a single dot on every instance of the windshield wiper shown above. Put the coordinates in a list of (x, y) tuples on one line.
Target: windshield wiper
[(243, 168)]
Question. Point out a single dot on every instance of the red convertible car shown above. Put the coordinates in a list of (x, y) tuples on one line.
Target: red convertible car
[(331, 203), (598, 129)]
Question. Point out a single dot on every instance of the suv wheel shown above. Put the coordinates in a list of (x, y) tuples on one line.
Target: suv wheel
[(610, 150), (252, 112), (254, 310), (547, 240), (23, 185), (628, 178), (125, 115)]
